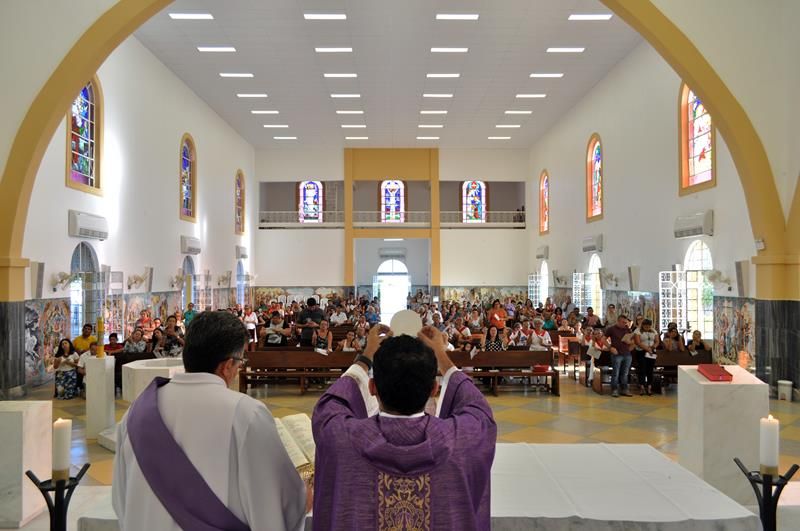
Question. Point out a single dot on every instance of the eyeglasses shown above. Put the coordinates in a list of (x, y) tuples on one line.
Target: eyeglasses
[(242, 361)]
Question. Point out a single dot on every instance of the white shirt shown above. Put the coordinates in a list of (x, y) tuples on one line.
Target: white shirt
[(250, 320), (232, 441), (538, 342), (338, 319)]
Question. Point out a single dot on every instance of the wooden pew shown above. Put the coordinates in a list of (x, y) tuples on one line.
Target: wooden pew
[(508, 363), (292, 362), (667, 362)]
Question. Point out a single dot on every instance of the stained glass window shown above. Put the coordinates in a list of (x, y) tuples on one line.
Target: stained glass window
[(594, 179), (544, 203), (188, 179), (239, 203), (473, 202), (393, 202), (310, 207), (84, 138), (697, 131)]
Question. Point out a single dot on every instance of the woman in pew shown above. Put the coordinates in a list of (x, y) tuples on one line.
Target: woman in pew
[(156, 345), (598, 343), (322, 338), (673, 341), (493, 341), (475, 322), (646, 341), (349, 343), (135, 343), (65, 363), (540, 338), (697, 343), (497, 315)]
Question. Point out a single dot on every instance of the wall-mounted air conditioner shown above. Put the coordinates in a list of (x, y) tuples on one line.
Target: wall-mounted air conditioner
[(84, 225), (190, 245), (700, 224), (593, 244), (241, 252), (543, 252)]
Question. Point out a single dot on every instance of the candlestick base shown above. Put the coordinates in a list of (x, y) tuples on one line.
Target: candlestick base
[(768, 489), (59, 503)]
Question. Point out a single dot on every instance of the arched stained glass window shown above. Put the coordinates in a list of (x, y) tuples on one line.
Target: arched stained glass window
[(310, 203), (238, 198), (188, 179), (84, 133), (393, 202), (696, 144), (473, 202), (544, 203), (594, 179)]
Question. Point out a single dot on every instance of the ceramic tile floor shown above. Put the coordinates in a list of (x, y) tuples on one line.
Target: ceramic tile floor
[(578, 416)]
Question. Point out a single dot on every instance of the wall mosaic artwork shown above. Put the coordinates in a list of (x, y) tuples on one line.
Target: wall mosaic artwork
[(47, 321), (734, 330)]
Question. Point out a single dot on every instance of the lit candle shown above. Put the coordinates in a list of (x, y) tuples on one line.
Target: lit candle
[(62, 441), (770, 436), (101, 332)]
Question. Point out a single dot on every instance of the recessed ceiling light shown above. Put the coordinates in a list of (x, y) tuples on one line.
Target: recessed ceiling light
[(356, 138), (340, 75), (191, 16), (247, 95), (393, 239), (544, 74), (254, 111), (519, 112), (508, 126), (323, 49), (449, 50), (430, 126), (531, 95), (354, 126), (499, 138), (429, 95), (235, 74), (460, 16), (276, 126), (443, 75), (591, 17), (349, 112), (324, 16), (284, 137), (345, 95), (427, 138), (565, 50), (216, 49), (433, 112)]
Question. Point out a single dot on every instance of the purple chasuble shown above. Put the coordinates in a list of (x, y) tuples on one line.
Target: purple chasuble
[(382, 473), (172, 477)]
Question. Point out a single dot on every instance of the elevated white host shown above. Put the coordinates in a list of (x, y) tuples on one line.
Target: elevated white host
[(406, 322)]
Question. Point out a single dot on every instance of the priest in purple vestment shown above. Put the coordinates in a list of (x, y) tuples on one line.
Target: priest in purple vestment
[(403, 469)]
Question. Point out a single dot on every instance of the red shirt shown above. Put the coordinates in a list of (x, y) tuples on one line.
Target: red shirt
[(616, 334)]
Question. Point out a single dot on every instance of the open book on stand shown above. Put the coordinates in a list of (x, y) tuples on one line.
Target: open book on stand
[(297, 438)]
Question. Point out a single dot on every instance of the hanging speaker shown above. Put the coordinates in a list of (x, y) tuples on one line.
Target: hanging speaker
[(37, 279), (743, 278), (633, 278)]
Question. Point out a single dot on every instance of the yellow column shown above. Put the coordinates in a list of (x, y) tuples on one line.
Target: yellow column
[(12, 278)]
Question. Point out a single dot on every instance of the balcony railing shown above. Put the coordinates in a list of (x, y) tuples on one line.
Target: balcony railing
[(370, 218), (273, 219), (510, 219)]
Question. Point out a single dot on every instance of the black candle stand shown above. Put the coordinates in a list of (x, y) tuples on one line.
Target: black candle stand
[(768, 493), (59, 503)]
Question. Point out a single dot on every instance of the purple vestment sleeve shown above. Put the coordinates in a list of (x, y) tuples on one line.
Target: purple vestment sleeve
[(342, 400), (463, 398)]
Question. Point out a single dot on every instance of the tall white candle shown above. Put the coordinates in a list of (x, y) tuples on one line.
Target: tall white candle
[(62, 441), (770, 437)]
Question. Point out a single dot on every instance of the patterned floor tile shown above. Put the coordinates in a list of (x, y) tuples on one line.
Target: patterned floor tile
[(574, 426), (507, 427), (526, 417), (603, 415), (626, 435), (538, 435), (665, 413)]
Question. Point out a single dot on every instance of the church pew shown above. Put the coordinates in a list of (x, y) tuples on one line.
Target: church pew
[(121, 358), (667, 362), (292, 362), (508, 363)]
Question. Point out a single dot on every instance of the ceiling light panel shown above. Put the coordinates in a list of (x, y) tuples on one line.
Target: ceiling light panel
[(499, 138), (284, 137), (324, 16), (508, 126), (427, 138), (340, 75), (557, 49), (354, 126), (345, 96), (251, 95), (600, 16), (519, 112), (547, 75), (276, 126), (216, 49), (191, 16), (349, 112), (433, 112), (523, 96), (259, 111), (443, 76), (436, 95), (333, 49), (356, 138), (457, 16), (430, 126), (235, 74), (449, 50)]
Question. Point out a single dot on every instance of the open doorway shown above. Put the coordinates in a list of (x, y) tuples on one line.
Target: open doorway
[(392, 285)]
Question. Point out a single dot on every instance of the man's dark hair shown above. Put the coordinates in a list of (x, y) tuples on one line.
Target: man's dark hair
[(311, 302), (212, 337), (114, 335), (404, 369), (623, 316), (647, 322), (275, 314)]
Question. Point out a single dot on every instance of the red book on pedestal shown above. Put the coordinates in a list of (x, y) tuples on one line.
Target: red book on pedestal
[(714, 372)]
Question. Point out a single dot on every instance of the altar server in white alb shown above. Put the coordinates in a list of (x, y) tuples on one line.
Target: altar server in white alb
[(194, 455)]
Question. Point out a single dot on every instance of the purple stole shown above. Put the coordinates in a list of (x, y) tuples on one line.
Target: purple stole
[(172, 477)]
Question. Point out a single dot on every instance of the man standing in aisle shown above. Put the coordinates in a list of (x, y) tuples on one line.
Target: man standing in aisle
[(189, 314), (192, 454), (621, 358)]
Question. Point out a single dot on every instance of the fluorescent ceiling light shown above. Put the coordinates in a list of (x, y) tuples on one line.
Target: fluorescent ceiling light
[(345, 95), (323, 49), (519, 112), (499, 138), (429, 95), (460, 16), (508, 126), (235, 74), (256, 95), (276, 126), (591, 17), (433, 112), (340, 75), (356, 138), (191, 16), (393, 239), (430, 126), (216, 49), (254, 111), (543, 74), (354, 126), (349, 112), (324, 16), (565, 50), (427, 138), (284, 137), (449, 50), (531, 95), (443, 75)]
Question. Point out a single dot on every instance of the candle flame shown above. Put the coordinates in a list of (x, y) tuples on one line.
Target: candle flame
[(770, 418)]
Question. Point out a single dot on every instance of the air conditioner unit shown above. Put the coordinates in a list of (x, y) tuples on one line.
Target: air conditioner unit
[(593, 244), (543, 252), (84, 225), (392, 252), (700, 224), (190, 245), (241, 252)]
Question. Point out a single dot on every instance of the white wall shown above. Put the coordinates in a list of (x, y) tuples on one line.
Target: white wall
[(634, 109), (146, 111), (484, 257), (417, 259), (299, 257), (483, 164), (299, 164)]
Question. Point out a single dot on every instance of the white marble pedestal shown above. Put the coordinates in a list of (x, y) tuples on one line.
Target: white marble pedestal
[(25, 444), (718, 421), (100, 408), (137, 375)]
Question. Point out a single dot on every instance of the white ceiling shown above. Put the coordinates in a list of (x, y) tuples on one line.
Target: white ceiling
[(391, 43)]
